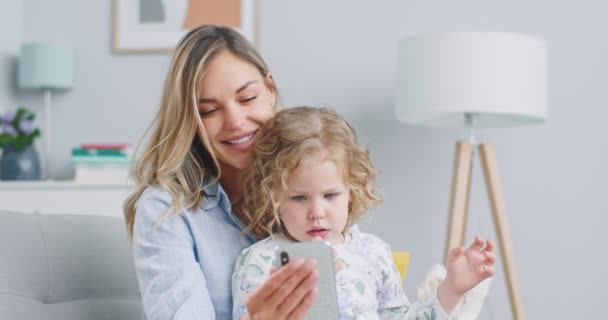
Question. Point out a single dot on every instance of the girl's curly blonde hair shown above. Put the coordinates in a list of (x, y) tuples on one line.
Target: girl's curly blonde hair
[(286, 141)]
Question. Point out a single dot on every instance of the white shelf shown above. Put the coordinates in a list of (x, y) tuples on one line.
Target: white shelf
[(64, 197), (59, 185)]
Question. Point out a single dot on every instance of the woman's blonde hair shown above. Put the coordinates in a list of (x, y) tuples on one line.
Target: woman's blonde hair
[(177, 156), (289, 139)]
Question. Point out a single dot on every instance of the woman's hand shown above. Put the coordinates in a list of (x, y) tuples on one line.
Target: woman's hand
[(287, 294), (466, 269)]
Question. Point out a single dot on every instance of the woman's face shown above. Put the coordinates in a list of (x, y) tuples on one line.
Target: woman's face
[(234, 103)]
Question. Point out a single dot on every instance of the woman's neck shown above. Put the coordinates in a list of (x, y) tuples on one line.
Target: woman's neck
[(231, 183)]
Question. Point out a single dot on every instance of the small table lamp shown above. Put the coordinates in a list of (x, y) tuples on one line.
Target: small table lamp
[(474, 79), (46, 67)]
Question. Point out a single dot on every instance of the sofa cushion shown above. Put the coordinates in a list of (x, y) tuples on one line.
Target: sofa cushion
[(19, 308), (66, 267)]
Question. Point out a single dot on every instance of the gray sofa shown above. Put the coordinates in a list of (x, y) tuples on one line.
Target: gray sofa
[(66, 267)]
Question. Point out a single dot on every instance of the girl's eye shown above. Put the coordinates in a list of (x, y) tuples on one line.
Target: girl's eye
[(331, 195), (298, 198)]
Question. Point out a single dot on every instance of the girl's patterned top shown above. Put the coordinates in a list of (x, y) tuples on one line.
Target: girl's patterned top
[(368, 284)]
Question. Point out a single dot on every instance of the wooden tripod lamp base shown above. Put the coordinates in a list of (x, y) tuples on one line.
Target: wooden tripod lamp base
[(459, 198)]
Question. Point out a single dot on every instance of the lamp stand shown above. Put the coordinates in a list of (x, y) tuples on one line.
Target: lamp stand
[(459, 202), (47, 171)]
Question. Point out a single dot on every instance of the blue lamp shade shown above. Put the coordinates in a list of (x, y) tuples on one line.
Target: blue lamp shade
[(43, 66)]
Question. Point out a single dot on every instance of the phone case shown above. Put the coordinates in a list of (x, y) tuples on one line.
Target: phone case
[(326, 303)]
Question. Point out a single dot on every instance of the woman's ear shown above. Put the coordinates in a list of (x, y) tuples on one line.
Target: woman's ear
[(271, 87)]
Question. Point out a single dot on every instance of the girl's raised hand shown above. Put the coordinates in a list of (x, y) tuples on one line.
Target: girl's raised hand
[(466, 269), (287, 294)]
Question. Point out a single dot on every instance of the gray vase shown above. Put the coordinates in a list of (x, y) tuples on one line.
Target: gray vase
[(19, 164)]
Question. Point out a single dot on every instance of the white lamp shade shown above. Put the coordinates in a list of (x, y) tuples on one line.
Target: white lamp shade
[(500, 78), (44, 66)]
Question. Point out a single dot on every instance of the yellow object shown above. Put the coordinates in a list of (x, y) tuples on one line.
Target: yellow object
[(402, 260)]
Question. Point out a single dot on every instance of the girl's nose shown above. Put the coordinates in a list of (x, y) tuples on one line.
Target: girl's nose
[(316, 211)]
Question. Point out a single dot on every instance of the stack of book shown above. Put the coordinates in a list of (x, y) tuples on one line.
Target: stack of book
[(101, 163)]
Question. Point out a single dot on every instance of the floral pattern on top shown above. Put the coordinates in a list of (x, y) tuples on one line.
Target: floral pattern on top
[(368, 283)]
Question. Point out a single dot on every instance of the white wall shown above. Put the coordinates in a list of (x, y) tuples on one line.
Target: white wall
[(343, 54), (114, 96), (10, 24)]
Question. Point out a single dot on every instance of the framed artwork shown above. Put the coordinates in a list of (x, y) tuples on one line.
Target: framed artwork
[(147, 26)]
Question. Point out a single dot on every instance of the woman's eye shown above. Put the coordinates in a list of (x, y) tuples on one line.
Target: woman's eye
[(298, 198), (331, 195), (249, 99), (206, 113)]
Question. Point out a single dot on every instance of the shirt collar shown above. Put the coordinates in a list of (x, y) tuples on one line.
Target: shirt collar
[(215, 195)]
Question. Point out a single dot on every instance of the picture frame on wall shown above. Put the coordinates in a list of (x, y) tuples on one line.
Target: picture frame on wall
[(156, 26)]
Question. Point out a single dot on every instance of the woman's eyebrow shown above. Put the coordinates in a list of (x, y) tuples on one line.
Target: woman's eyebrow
[(241, 88), (244, 86)]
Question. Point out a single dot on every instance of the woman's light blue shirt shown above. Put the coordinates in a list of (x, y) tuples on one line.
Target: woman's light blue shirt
[(184, 262)]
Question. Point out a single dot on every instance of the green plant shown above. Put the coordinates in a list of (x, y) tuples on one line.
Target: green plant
[(18, 130)]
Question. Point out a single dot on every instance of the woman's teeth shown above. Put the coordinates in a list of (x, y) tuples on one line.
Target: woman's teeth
[(242, 140)]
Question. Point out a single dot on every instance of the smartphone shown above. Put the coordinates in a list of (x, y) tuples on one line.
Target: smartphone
[(326, 303)]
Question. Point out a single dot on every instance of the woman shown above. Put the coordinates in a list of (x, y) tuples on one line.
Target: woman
[(184, 215)]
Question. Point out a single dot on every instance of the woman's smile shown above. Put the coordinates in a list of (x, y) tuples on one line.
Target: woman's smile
[(242, 142)]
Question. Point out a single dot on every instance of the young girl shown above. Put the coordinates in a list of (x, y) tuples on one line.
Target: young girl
[(311, 180)]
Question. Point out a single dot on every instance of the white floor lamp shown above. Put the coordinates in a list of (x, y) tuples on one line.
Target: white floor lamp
[(47, 68), (474, 80)]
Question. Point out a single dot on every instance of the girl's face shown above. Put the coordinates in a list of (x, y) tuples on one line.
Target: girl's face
[(316, 202), (234, 104)]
